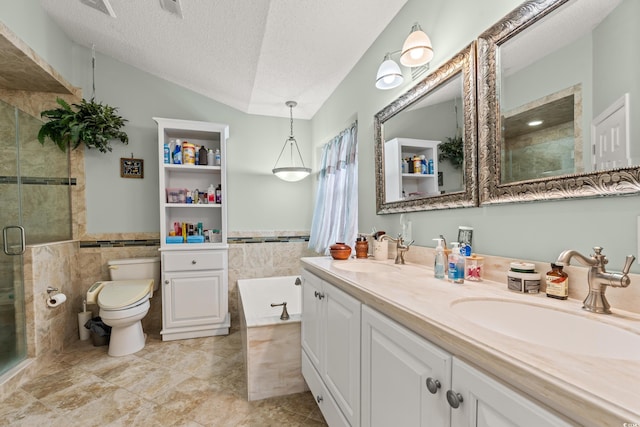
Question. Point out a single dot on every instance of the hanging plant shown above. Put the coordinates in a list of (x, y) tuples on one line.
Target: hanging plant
[(92, 123), (452, 150)]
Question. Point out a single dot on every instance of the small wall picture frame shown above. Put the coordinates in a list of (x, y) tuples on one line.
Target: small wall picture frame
[(131, 168)]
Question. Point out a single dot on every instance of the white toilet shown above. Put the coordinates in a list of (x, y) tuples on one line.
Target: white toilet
[(124, 301)]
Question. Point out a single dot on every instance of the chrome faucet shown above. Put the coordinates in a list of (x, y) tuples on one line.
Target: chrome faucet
[(598, 277), (401, 247)]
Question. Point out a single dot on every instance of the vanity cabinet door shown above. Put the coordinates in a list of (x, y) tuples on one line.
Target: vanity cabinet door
[(487, 403), (397, 366), (311, 317), (331, 343), (341, 367), (193, 299)]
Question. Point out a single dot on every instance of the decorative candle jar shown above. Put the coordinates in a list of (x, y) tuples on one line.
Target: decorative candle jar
[(340, 251)]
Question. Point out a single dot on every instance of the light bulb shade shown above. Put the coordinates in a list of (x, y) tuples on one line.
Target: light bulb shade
[(417, 49), (389, 75), (291, 174)]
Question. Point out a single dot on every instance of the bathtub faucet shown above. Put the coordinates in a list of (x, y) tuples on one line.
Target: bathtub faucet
[(285, 314)]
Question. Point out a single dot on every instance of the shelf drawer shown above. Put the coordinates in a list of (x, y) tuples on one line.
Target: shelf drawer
[(193, 260)]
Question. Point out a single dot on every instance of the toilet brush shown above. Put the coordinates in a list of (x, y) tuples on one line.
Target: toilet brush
[(83, 317)]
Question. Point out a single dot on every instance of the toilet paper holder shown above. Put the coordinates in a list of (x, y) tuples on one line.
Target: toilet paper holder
[(51, 289)]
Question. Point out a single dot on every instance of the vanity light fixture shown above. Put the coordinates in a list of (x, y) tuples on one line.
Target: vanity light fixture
[(389, 74), (417, 49), (291, 172), (533, 123), (416, 52)]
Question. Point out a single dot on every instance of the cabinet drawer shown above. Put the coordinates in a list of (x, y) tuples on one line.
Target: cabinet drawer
[(194, 260), (328, 406)]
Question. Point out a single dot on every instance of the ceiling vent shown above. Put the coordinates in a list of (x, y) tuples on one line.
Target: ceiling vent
[(172, 6), (101, 5)]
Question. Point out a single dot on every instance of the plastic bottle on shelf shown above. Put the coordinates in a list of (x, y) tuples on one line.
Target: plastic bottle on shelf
[(211, 194), (167, 154), (430, 167), (216, 160), (177, 153), (203, 156), (219, 194), (210, 157), (423, 165)]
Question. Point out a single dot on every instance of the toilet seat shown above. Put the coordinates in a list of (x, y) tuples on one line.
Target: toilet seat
[(124, 294)]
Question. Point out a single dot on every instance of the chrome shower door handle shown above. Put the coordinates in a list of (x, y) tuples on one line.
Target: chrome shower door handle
[(5, 238)]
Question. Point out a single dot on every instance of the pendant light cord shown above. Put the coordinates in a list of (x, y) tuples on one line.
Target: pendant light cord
[(291, 119)]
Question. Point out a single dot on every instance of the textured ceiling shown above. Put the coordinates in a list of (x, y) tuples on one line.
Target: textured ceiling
[(253, 55)]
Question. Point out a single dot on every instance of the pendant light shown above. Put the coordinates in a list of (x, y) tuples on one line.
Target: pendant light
[(416, 50), (292, 172)]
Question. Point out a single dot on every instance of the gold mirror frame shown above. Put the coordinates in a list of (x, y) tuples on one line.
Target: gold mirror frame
[(463, 63), (593, 184)]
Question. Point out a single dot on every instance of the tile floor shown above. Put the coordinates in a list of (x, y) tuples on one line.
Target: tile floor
[(195, 382)]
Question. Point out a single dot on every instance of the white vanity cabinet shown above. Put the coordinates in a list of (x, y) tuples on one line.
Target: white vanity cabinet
[(366, 369), (398, 368), (488, 403), (331, 349), (408, 381), (194, 272)]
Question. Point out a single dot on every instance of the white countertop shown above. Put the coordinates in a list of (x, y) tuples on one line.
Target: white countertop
[(590, 391)]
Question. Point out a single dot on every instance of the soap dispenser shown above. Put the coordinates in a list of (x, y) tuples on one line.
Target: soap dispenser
[(439, 261)]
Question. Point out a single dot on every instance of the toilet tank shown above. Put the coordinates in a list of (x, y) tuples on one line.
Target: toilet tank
[(135, 268)]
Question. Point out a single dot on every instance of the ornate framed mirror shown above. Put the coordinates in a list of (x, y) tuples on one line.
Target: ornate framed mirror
[(432, 127), (555, 82)]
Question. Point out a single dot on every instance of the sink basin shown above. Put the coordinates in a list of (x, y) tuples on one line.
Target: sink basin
[(548, 327), (364, 266)]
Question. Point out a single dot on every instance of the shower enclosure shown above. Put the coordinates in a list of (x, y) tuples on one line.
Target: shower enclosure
[(35, 208)]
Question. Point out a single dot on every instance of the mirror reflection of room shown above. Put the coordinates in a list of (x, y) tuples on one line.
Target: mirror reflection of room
[(428, 135), (554, 120)]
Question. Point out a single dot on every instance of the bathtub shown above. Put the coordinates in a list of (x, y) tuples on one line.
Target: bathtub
[(271, 346)]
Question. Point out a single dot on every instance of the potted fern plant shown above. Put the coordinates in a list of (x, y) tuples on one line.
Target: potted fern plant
[(91, 123)]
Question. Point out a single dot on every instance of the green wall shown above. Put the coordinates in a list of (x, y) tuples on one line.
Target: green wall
[(535, 231), (257, 199)]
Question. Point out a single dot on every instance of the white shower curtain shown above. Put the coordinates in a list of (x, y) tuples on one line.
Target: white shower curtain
[(335, 216)]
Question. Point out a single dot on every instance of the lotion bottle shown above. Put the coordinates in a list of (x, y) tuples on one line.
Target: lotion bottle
[(438, 263)]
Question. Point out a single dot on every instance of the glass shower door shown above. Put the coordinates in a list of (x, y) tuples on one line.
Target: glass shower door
[(12, 315)]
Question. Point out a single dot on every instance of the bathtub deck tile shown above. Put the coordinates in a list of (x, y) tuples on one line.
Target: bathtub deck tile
[(273, 361)]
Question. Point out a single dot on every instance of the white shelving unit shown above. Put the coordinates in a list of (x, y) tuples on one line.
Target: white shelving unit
[(194, 275), (417, 184)]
